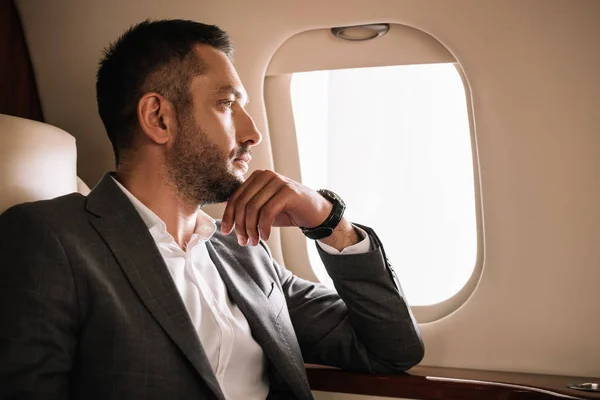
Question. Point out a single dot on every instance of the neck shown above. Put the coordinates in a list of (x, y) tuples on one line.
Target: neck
[(159, 195)]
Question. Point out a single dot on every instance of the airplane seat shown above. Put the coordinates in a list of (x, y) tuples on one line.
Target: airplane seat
[(37, 162)]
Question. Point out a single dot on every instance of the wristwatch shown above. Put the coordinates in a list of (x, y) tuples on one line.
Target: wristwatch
[(335, 216)]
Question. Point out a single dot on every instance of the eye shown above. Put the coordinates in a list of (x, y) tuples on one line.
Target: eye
[(227, 103)]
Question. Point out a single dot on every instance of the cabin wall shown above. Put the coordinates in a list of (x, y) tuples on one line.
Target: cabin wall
[(532, 66)]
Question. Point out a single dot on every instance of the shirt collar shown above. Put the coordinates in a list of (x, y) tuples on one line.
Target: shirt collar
[(205, 224)]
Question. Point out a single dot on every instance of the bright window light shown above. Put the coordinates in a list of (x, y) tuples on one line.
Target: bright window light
[(395, 144)]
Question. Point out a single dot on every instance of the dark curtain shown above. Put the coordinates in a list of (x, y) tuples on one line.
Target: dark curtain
[(18, 91)]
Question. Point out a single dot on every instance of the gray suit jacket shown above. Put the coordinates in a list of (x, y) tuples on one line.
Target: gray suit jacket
[(88, 309)]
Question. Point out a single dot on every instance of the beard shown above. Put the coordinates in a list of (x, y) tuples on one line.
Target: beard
[(198, 169)]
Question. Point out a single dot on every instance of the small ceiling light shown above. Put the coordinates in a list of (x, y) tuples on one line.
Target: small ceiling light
[(361, 32)]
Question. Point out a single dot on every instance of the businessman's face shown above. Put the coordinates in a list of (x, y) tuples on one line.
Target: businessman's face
[(211, 151)]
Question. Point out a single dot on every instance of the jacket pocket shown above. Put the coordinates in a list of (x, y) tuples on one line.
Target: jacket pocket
[(276, 298)]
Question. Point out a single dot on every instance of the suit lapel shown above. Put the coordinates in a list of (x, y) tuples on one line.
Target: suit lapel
[(262, 317), (127, 236)]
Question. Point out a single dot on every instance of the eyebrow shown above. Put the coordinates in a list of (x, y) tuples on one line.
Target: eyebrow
[(230, 89)]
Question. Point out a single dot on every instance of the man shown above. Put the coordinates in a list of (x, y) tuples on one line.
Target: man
[(135, 293)]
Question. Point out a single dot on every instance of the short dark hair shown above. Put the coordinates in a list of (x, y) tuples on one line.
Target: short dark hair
[(152, 56)]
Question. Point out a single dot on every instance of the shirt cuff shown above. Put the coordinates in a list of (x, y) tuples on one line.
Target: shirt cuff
[(364, 246)]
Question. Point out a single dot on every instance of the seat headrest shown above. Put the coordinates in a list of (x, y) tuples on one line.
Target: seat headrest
[(37, 161)]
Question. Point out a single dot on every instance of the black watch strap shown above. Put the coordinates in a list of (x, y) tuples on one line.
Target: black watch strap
[(335, 216)]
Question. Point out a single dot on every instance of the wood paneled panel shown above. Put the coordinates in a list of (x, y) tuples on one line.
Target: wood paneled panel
[(18, 91), (431, 383)]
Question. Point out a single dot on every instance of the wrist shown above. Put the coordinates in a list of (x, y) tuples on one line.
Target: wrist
[(344, 235), (326, 228)]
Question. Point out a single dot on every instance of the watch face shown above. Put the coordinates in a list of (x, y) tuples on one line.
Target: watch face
[(331, 196), (326, 228)]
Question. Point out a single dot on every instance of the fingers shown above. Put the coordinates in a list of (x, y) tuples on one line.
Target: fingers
[(228, 220), (249, 205), (245, 204), (271, 210), (249, 216), (256, 205)]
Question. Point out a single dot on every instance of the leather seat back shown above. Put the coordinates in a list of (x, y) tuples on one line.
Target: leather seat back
[(37, 161)]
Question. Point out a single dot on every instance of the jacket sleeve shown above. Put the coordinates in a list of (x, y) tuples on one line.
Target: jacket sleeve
[(366, 326), (38, 309)]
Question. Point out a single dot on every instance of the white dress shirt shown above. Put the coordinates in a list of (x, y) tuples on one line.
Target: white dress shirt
[(237, 360)]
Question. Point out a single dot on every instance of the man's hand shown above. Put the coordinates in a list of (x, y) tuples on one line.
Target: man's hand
[(268, 199)]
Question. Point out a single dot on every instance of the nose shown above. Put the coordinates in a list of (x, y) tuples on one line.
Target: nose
[(247, 132)]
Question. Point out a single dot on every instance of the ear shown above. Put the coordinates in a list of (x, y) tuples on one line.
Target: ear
[(156, 116)]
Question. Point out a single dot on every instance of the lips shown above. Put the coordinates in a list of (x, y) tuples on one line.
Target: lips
[(245, 158)]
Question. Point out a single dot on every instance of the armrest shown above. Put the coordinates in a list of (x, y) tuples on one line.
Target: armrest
[(433, 383)]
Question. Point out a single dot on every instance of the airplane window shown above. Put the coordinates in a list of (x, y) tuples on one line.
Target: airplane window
[(395, 143)]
